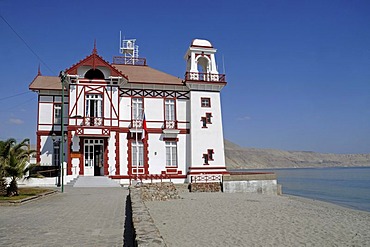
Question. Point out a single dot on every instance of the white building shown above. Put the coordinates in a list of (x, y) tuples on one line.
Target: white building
[(104, 124)]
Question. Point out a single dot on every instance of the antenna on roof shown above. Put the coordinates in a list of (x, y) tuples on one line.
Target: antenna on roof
[(129, 50), (223, 64)]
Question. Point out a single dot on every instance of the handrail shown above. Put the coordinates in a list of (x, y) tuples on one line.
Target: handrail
[(139, 61), (201, 76)]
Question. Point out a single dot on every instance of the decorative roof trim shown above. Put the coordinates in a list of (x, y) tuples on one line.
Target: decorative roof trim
[(94, 60)]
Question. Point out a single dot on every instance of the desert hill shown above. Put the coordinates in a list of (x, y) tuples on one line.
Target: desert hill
[(244, 158)]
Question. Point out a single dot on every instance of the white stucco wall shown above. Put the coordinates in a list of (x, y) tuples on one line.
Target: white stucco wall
[(210, 137), (112, 154), (123, 153), (46, 152)]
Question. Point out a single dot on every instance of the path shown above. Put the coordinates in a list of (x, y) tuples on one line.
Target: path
[(78, 217)]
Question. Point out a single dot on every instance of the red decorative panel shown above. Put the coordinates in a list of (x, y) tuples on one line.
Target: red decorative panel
[(79, 131)]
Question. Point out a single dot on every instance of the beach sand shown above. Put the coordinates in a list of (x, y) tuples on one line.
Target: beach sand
[(245, 219)]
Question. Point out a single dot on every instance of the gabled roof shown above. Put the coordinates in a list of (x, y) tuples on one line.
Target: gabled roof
[(46, 83), (134, 74), (94, 60), (146, 74)]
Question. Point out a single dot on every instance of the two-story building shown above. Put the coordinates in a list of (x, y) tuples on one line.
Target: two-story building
[(127, 120)]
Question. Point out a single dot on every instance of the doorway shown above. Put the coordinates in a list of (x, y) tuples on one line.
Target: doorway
[(94, 157)]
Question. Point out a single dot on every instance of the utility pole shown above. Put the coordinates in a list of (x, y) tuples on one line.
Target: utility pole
[(62, 76)]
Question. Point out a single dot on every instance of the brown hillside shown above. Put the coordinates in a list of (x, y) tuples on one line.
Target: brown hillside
[(244, 158)]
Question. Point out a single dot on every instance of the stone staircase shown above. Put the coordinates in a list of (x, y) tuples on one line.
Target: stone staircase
[(100, 181)]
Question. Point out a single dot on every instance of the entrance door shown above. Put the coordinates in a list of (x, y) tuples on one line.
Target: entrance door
[(94, 158)]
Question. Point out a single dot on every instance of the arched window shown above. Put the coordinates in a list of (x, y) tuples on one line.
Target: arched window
[(94, 74)]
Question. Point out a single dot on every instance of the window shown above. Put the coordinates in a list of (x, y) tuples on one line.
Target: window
[(57, 113), (205, 157), (171, 154), (204, 122), (137, 149), (169, 112), (208, 118), (169, 109), (205, 102), (208, 156), (56, 155), (94, 74), (94, 110), (137, 108), (94, 105)]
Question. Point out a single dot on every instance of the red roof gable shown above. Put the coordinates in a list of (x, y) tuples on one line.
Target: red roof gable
[(94, 60)]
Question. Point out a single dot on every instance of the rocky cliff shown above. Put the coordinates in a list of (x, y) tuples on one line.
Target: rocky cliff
[(252, 158)]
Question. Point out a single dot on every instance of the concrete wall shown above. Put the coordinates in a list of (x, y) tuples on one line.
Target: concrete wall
[(261, 183), (268, 187)]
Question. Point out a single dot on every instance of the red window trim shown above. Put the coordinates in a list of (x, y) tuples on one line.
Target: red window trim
[(169, 139)]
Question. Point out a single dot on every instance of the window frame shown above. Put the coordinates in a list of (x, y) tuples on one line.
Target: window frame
[(137, 108), (57, 113), (169, 110), (98, 98), (137, 156), (171, 154), (205, 102)]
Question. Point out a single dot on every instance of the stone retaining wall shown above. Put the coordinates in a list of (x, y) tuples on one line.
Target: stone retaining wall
[(146, 233)]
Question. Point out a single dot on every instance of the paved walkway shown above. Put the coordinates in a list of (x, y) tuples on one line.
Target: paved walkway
[(78, 217)]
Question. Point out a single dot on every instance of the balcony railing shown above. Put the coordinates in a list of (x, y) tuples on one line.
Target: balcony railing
[(170, 124), (129, 60), (198, 76), (136, 123), (93, 121)]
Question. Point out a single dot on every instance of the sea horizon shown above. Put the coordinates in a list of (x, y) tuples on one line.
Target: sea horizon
[(344, 186)]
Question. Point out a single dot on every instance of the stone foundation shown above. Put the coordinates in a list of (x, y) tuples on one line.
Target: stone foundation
[(205, 187)]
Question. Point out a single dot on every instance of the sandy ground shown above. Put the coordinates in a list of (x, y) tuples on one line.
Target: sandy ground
[(242, 219)]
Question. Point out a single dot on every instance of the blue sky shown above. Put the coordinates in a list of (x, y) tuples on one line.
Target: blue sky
[(298, 72)]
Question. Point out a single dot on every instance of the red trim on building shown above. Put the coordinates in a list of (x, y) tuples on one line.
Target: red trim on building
[(208, 168), (207, 172), (94, 60), (117, 153), (150, 176), (106, 151)]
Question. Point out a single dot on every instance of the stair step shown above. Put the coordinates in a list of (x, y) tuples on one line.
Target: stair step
[(100, 181)]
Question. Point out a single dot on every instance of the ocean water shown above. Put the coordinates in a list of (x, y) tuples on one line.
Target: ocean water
[(345, 186)]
